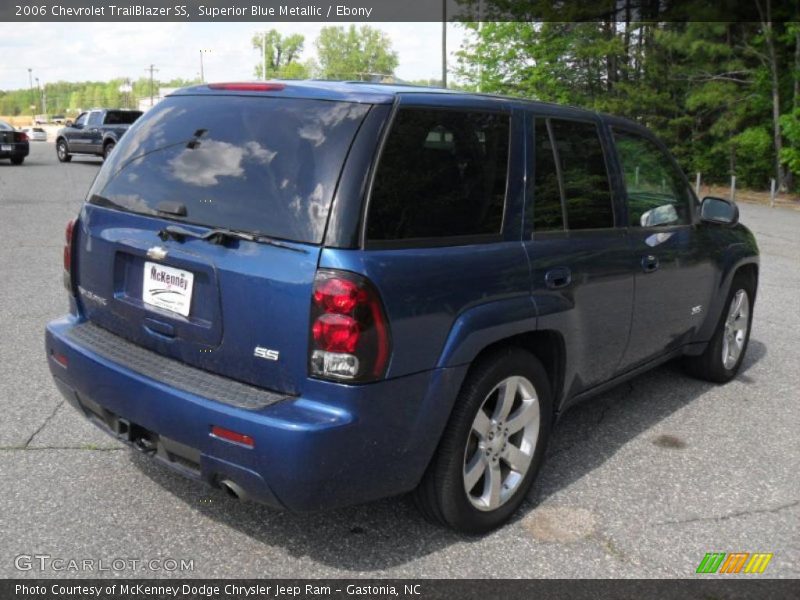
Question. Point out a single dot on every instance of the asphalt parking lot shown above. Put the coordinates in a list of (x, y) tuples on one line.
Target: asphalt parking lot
[(640, 482)]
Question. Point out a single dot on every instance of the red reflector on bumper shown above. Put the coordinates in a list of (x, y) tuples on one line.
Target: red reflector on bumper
[(60, 359), (232, 436)]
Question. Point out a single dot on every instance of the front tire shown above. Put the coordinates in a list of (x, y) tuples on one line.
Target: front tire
[(722, 358), (62, 151), (493, 445)]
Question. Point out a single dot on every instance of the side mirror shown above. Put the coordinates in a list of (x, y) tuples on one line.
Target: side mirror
[(68, 123), (719, 210)]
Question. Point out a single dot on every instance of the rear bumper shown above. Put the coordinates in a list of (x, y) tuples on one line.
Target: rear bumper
[(19, 150), (331, 446)]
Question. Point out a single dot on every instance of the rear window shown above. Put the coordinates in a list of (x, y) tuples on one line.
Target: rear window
[(121, 117), (442, 174), (257, 164)]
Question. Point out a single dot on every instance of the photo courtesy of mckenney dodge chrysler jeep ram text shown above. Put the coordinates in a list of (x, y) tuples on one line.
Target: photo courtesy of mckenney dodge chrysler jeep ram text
[(314, 294)]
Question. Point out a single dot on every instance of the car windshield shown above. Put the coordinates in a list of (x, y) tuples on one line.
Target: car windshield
[(5, 126), (121, 117), (258, 164)]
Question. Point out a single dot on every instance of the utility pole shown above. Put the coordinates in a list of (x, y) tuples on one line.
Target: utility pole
[(30, 83), (202, 74), (39, 93), (151, 69), (444, 43)]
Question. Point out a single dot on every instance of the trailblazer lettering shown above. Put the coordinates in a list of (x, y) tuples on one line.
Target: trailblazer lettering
[(163, 277)]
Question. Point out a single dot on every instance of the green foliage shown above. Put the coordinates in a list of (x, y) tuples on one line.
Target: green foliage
[(705, 88), (279, 54), (363, 53)]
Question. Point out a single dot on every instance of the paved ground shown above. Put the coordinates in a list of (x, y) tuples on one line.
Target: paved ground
[(642, 482)]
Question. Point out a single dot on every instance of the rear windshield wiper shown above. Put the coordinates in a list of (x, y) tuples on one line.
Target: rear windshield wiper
[(219, 236)]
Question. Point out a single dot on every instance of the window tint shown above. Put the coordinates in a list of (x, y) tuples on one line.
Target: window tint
[(121, 117), (267, 165), (547, 214), (95, 118), (442, 173), (657, 193), (587, 192)]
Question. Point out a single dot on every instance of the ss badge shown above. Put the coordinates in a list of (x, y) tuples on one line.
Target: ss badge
[(266, 353)]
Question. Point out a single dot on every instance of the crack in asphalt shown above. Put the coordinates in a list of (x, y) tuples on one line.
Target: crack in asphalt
[(733, 515), (44, 424)]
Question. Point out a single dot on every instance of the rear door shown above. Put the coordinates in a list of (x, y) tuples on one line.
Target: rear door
[(674, 278), (582, 278), (257, 164)]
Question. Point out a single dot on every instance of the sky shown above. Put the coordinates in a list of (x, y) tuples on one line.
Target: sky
[(103, 51)]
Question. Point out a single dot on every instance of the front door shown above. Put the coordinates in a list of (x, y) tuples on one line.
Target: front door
[(674, 279), (76, 134)]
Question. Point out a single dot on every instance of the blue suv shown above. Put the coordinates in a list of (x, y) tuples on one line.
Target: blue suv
[(314, 294)]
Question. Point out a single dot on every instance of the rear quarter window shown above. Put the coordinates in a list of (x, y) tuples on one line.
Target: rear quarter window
[(258, 164), (442, 174)]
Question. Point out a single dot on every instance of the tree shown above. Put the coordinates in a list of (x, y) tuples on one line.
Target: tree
[(364, 53), (713, 91), (280, 55)]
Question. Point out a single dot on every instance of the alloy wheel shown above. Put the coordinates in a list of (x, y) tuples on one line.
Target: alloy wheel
[(501, 443)]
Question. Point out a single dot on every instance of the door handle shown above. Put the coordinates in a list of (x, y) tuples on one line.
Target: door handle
[(649, 263), (558, 278)]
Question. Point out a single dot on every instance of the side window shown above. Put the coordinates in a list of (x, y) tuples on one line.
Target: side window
[(547, 211), (81, 120), (95, 118), (442, 174), (585, 183), (657, 193)]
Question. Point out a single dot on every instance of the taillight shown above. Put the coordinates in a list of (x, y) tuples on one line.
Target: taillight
[(68, 236), (349, 337), (21, 136)]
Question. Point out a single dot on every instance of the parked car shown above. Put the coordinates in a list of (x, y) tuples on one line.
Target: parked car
[(36, 134), (94, 132), (13, 144), (315, 294)]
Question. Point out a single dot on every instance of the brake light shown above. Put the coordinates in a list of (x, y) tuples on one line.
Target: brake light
[(21, 136), (248, 87), (68, 236), (349, 337)]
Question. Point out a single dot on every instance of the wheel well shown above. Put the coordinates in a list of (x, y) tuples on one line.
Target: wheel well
[(750, 272), (547, 346), (108, 141)]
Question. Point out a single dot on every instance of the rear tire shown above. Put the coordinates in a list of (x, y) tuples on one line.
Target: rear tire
[(62, 151), (17, 160), (722, 358), (107, 150), (492, 446)]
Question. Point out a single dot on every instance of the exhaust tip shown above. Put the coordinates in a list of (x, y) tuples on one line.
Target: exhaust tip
[(234, 490)]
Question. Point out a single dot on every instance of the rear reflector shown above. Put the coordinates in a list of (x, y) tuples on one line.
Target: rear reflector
[(248, 87), (60, 358), (232, 436)]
